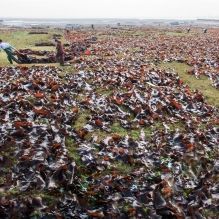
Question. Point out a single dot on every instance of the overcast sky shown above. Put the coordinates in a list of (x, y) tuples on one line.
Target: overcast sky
[(109, 9)]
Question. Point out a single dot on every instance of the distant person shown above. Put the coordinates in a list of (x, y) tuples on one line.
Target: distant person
[(60, 55), (9, 51), (205, 30), (188, 30)]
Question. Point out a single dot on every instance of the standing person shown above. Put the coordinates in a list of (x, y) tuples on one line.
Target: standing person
[(60, 52), (9, 51)]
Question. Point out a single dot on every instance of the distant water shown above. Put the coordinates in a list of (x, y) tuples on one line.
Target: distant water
[(84, 22), (38, 22)]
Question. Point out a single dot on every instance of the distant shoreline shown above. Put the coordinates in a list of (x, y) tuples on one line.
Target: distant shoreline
[(86, 22)]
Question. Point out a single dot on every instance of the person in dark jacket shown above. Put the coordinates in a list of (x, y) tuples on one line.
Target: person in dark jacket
[(9, 51), (60, 55)]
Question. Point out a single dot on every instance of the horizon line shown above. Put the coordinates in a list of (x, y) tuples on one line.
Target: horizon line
[(138, 18)]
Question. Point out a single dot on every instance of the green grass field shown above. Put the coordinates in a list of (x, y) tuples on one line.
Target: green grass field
[(21, 39), (203, 84)]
